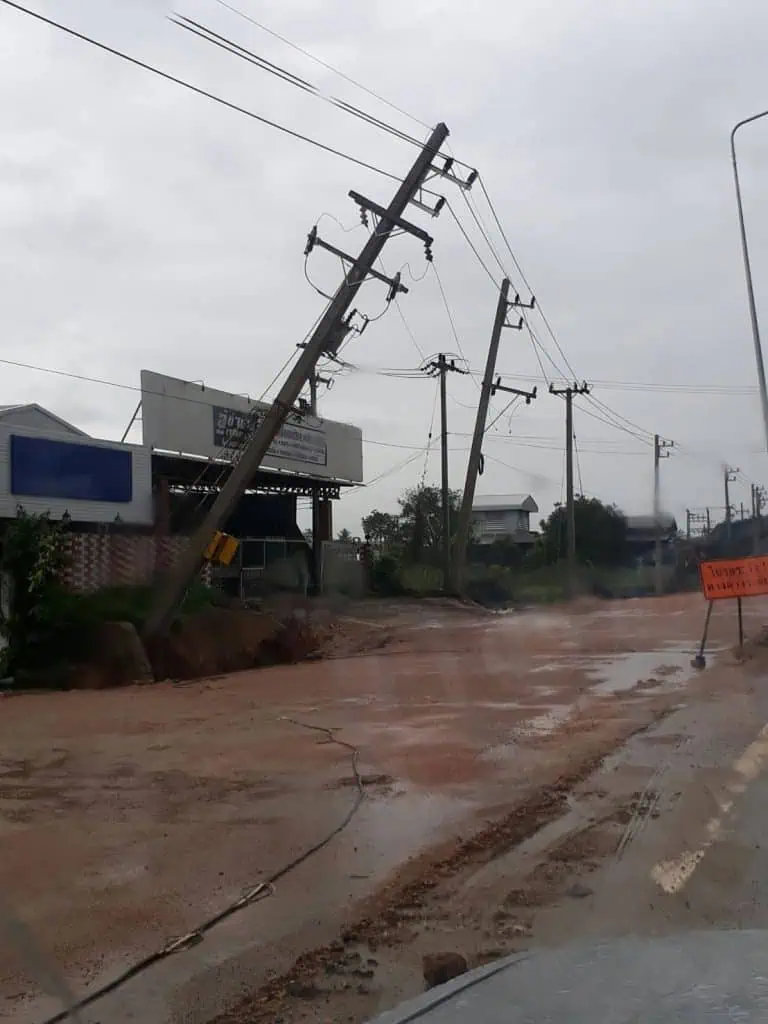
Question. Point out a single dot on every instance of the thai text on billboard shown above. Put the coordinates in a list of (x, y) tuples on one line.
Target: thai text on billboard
[(295, 440)]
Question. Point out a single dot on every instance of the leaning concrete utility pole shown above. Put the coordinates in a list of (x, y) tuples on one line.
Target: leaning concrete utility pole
[(659, 452), (487, 390), (326, 337), (569, 392)]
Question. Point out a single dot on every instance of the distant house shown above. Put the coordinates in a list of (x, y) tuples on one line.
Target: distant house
[(503, 516), (642, 531)]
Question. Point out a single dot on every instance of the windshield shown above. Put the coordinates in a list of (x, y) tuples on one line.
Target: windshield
[(382, 527)]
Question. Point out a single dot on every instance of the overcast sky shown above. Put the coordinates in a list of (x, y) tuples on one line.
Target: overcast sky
[(145, 227)]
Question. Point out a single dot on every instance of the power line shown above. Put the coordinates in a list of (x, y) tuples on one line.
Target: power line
[(388, 472), (628, 422), (324, 64), (469, 242), (521, 273), (506, 408), (236, 50), (522, 472), (578, 463), (484, 232), (616, 426), (199, 91), (429, 434), (554, 446), (450, 316), (406, 325), (291, 356)]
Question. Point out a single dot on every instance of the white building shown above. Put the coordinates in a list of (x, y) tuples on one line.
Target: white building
[(48, 465), (503, 516)]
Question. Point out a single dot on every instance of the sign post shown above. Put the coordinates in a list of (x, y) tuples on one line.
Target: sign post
[(729, 578)]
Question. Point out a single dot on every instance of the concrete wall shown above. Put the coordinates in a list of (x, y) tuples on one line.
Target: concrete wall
[(98, 560)]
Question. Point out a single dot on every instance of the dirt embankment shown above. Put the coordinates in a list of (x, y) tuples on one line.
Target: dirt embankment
[(209, 643)]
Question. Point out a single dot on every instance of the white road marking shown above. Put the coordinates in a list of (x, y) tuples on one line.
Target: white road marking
[(672, 875)]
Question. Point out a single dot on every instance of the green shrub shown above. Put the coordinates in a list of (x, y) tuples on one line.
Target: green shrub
[(49, 627), (385, 576)]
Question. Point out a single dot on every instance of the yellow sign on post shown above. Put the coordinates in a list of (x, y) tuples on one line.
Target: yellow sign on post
[(222, 548)]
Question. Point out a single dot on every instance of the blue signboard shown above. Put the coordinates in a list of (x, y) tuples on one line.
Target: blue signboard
[(44, 468)]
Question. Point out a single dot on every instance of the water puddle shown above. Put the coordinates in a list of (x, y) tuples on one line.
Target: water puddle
[(543, 725), (539, 726), (653, 670)]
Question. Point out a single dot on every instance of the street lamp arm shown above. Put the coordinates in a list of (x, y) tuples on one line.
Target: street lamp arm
[(748, 274), (747, 120)]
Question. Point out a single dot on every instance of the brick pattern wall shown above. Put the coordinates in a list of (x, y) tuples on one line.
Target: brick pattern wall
[(114, 560)]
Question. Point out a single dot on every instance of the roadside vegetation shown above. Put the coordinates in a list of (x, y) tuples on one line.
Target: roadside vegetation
[(46, 627), (407, 554)]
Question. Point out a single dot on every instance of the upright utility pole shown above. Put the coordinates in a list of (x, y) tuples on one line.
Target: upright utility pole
[(758, 499), (660, 447), (442, 366), (317, 544), (729, 477), (446, 497), (569, 392), (487, 389), (326, 337)]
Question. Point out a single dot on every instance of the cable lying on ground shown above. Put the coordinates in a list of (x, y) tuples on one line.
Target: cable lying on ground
[(253, 894)]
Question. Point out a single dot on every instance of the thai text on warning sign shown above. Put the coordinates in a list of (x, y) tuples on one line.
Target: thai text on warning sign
[(734, 577)]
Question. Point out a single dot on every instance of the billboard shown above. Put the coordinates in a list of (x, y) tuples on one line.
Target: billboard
[(193, 419), (296, 441)]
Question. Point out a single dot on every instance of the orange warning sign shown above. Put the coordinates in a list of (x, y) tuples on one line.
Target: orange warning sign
[(734, 577)]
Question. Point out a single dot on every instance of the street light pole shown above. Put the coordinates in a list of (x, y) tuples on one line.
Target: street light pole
[(748, 275)]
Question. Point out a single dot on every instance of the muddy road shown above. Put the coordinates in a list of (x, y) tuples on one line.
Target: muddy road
[(447, 780)]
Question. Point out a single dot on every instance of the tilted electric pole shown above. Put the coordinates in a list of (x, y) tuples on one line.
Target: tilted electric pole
[(569, 392), (660, 451), (442, 366), (487, 389), (326, 337)]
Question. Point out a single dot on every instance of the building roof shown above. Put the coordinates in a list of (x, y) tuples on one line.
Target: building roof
[(500, 502), (34, 410), (648, 522)]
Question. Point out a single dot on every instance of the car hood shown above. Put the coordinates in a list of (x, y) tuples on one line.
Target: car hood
[(697, 977)]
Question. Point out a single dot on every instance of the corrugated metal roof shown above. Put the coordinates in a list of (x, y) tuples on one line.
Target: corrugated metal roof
[(494, 502)]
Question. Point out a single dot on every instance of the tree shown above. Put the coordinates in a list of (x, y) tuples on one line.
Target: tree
[(344, 536), (416, 532), (421, 518), (601, 533), (382, 528)]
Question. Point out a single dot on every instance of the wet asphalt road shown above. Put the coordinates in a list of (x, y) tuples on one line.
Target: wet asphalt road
[(442, 722)]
